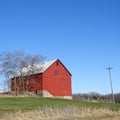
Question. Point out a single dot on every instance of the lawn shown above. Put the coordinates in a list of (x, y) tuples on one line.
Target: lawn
[(49, 107)]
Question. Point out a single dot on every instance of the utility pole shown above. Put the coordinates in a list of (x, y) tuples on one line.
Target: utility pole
[(109, 69)]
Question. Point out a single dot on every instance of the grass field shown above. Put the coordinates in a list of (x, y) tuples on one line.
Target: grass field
[(35, 108)]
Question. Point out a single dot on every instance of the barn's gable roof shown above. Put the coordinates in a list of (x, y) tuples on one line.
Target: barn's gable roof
[(39, 68), (45, 65)]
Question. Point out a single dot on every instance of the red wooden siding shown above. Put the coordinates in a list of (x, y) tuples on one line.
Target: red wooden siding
[(58, 84), (36, 82)]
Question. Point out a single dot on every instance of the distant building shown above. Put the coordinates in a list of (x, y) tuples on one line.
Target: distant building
[(50, 79)]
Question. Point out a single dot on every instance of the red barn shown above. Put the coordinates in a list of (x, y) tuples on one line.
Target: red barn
[(51, 79)]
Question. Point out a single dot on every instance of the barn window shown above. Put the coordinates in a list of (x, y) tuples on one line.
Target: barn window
[(57, 72)]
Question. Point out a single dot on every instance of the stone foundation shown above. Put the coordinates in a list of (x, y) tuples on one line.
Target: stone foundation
[(42, 93), (45, 93)]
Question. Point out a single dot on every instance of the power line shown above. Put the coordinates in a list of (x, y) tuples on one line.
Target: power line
[(109, 69)]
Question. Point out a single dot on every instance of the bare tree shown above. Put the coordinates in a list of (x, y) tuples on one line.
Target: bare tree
[(7, 66), (31, 68), (12, 65)]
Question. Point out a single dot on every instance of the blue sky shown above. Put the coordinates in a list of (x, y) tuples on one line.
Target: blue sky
[(83, 34)]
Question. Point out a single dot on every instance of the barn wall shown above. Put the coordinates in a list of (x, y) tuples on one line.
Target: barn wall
[(57, 80), (35, 83), (54, 82)]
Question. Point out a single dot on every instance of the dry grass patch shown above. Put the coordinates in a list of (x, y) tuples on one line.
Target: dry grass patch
[(67, 113)]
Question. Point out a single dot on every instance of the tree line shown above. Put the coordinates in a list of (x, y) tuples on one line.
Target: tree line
[(93, 96)]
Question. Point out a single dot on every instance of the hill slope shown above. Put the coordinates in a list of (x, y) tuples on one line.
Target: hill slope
[(32, 108)]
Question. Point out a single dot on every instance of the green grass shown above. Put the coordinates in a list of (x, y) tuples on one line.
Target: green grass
[(11, 104), (13, 108)]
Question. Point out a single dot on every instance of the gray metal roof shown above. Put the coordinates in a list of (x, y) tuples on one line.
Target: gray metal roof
[(39, 68), (44, 66)]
